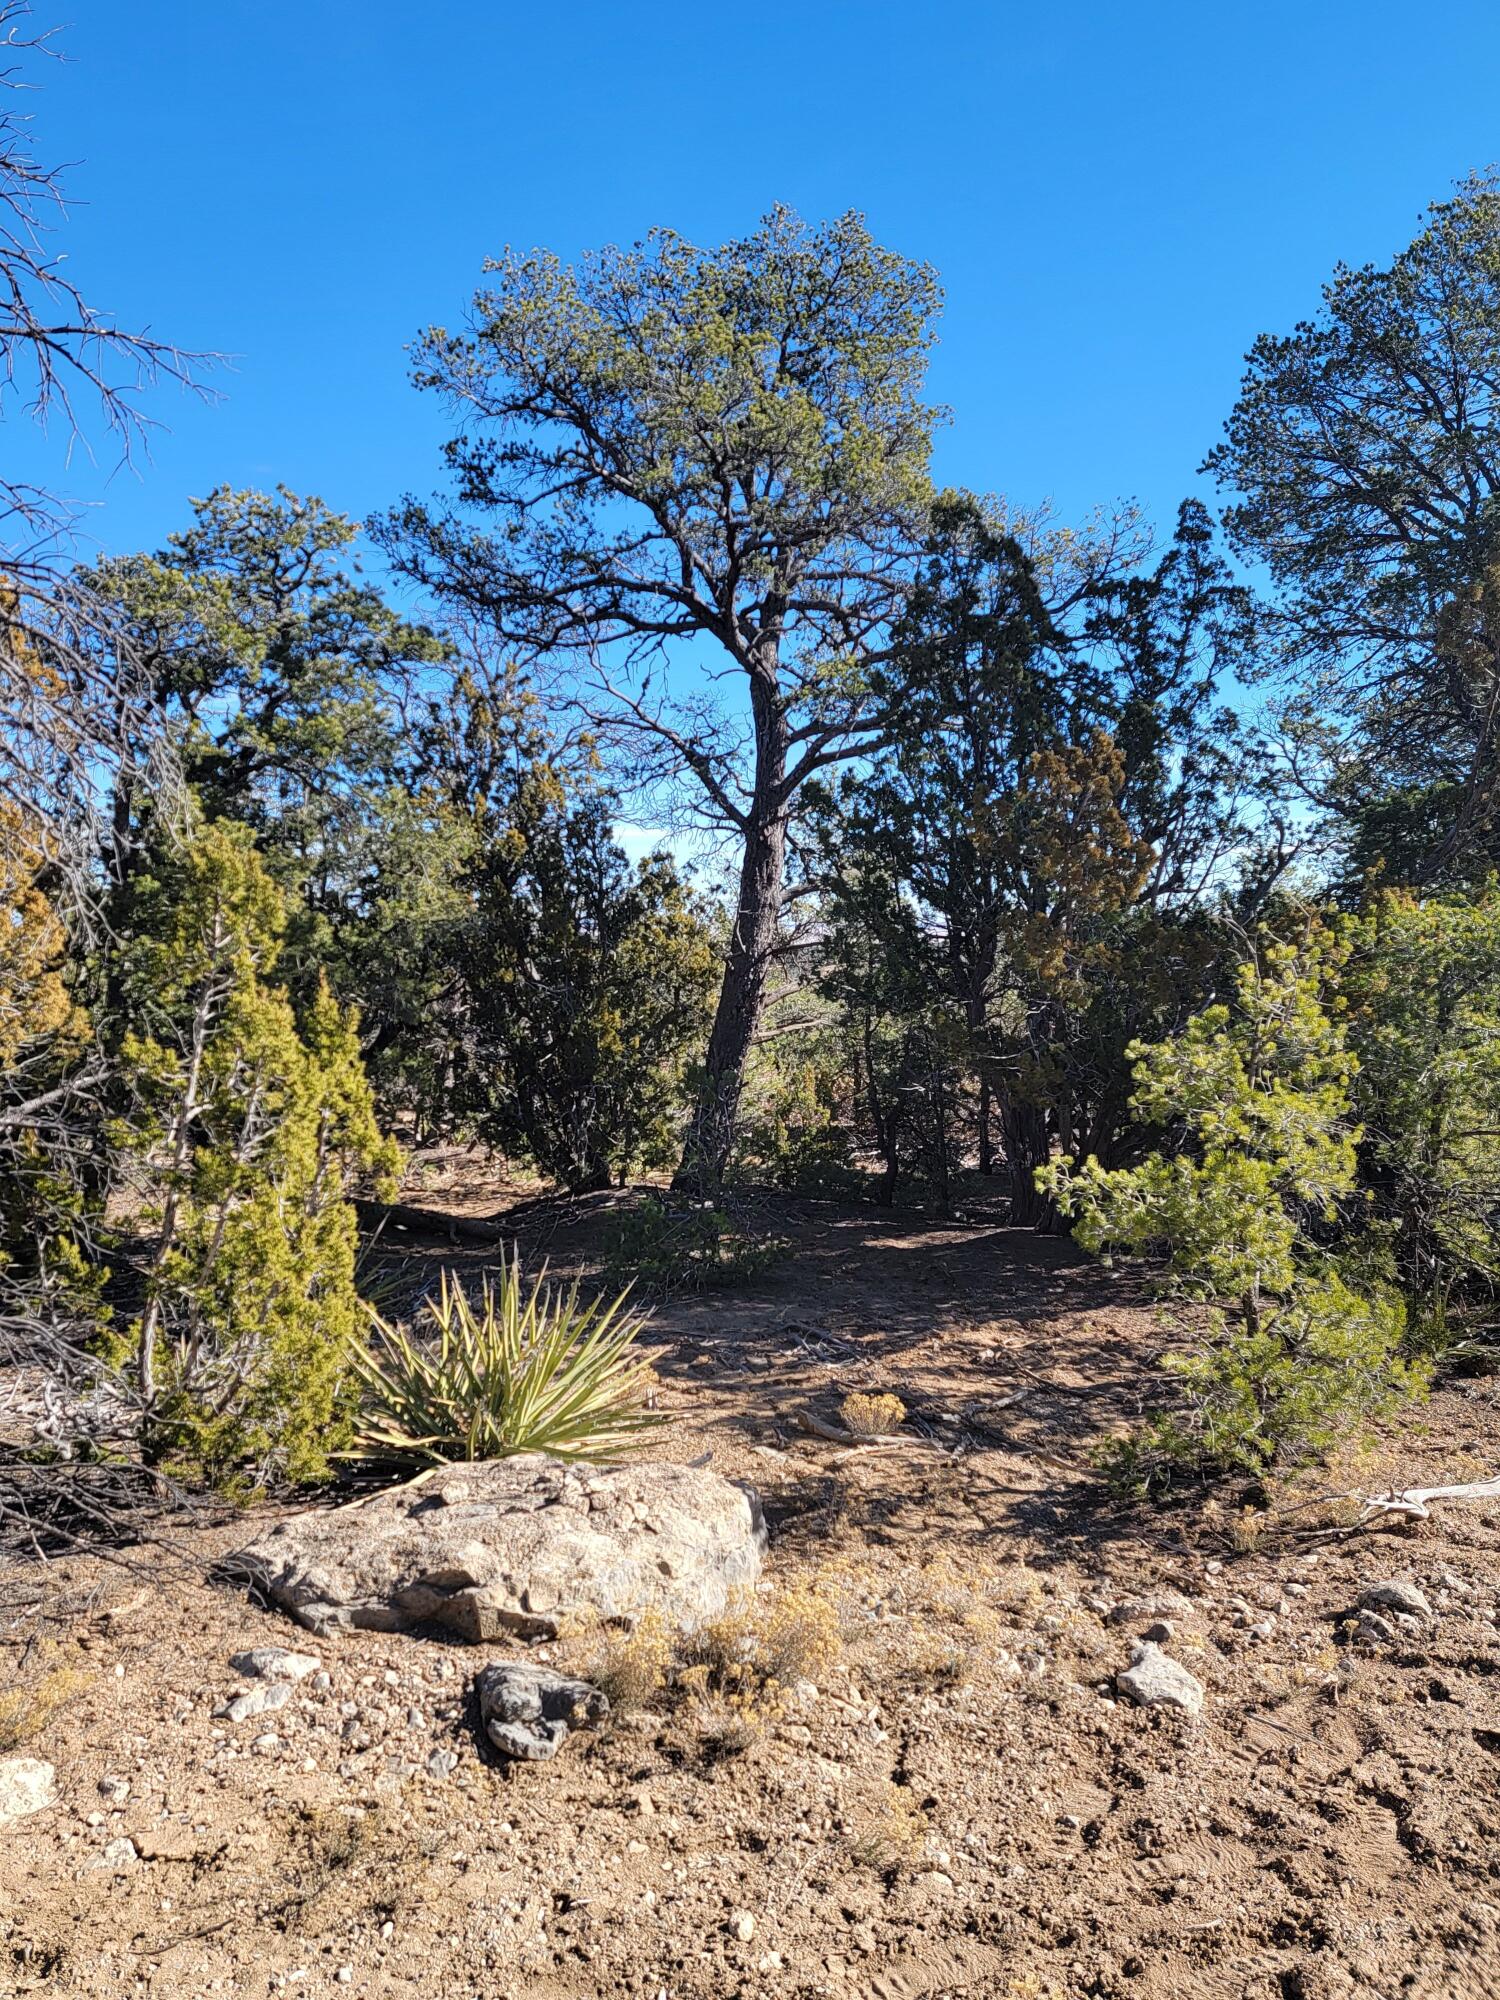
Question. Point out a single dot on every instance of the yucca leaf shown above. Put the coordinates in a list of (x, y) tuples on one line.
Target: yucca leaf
[(524, 1369)]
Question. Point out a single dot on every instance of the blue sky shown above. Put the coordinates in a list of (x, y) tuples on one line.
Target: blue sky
[(1118, 197)]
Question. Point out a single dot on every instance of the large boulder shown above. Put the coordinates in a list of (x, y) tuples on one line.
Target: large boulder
[(517, 1546)]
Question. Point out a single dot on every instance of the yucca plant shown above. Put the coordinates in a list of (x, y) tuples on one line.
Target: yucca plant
[(523, 1369)]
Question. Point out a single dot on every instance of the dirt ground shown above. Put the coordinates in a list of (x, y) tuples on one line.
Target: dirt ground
[(959, 1803)]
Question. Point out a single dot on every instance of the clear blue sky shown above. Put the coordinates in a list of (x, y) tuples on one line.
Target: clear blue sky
[(1118, 197)]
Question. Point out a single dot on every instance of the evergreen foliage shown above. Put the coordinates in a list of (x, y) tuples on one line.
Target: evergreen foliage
[(249, 1128), (1258, 1095)]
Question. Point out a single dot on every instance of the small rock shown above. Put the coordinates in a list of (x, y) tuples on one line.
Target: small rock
[(1260, 1632), (1396, 1594), (27, 1785), (935, 1881), (115, 1790), (529, 1710), (262, 1700), (118, 1854), (1143, 1611), (1156, 1681), (1371, 1629), (442, 1763), (743, 1926), (1159, 1631), (275, 1663)]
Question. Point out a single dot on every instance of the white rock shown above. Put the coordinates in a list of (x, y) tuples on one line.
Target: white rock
[(275, 1663), (27, 1785), (118, 1854), (116, 1790), (262, 1700), (1157, 1681), (744, 1926)]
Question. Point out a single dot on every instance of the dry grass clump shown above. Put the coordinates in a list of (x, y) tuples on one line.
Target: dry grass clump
[(871, 1413), (889, 1831), (25, 1711), (632, 1670), (731, 1674), (945, 1619), (762, 1647)]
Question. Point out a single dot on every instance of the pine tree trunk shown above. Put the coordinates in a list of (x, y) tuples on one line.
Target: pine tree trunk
[(752, 944), (1027, 1147)]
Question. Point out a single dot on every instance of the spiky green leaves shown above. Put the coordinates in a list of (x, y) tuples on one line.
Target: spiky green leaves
[(523, 1368)]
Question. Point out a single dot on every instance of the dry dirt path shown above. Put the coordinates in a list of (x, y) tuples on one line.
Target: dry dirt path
[(960, 1804)]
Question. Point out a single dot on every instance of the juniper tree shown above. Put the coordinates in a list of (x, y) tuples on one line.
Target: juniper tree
[(244, 1128)]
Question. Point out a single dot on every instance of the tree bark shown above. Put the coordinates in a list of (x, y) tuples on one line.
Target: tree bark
[(752, 944), (1027, 1147)]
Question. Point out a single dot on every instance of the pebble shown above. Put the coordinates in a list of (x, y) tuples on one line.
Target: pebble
[(442, 1763), (275, 1663), (115, 1790), (744, 1926), (262, 1700)]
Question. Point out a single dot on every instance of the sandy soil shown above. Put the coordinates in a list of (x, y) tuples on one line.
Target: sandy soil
[(960, 1803)]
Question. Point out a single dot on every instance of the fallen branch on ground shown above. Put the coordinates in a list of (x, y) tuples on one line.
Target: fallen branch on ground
[(1414, 1503)]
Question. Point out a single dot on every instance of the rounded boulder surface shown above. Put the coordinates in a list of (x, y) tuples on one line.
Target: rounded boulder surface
[(512, 1547)]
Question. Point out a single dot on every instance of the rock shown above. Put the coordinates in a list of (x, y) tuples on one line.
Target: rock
[(117, 1854), (1156, 1681), (1142, 1611), (275, 1663), (1396, 1594), (263, 1700), (27, 1785), (517, 1546), (528, 1711), (442, 1763), (115, 1790), (1370, 1629), (743, 1926), (1160, 1630)]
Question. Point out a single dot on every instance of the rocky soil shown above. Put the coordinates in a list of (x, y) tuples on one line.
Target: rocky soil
[(1060, 1748)]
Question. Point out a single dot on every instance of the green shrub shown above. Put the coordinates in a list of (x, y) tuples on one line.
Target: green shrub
[(1279, 1394), (667, 1248), (242, 1126), (523, 1370), (1258, 1096)]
